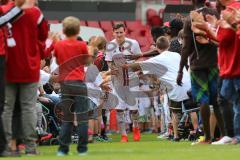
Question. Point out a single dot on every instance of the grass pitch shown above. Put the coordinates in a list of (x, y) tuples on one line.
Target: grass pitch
[(149, 148)]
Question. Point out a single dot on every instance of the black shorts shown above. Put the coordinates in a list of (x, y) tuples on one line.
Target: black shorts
[(190, 105), (175, 107)]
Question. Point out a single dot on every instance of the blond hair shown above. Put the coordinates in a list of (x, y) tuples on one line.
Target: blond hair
[(92, 51), (99, 42), (71, 26)]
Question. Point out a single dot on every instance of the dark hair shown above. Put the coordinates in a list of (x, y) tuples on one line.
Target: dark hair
[(162, 43), (166, 30), (198, 3), (79, 38), (175, 26), (219, 7), (156, 32), (118, 25)]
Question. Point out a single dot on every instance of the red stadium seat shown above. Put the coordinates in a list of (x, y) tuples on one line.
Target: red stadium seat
[(83, 23), (115, 22), (135, 34), (53, 21), (109, 35), (106, 25), (132, 36), (143, 42), (93, 24), (133, 25), (145, 48), (141, 31)]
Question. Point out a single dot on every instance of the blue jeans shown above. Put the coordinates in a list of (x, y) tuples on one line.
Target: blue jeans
[(54, 98), (231, 90), (74, 99)]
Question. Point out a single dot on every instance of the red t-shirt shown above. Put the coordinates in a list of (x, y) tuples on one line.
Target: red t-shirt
[(23, 60), (229, 50), (70, 55)]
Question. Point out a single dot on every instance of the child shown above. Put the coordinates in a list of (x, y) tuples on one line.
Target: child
[(14, 12), (69, 53), (167, 61)]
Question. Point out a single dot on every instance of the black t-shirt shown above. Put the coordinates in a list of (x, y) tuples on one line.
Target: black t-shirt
[(202, 56)]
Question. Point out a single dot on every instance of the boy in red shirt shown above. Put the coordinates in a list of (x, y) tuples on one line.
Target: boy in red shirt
[(70, 55), (23, 71)]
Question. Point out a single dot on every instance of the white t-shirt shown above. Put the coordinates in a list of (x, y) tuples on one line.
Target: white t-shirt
[(93, 82), (130, 46), (171, 61), (44, 77)]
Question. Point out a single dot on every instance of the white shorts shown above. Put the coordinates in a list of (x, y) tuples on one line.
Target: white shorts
[(126, 100)]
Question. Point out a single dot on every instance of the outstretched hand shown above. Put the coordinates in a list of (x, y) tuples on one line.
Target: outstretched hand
[(179, 79), (132, 56)]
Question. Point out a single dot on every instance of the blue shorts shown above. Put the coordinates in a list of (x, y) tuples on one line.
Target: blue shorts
[(204, 86)]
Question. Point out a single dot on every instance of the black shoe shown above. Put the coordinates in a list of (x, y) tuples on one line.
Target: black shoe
[(32, 153), (195, 135), (176, 139), (106, 138), (170, 137)]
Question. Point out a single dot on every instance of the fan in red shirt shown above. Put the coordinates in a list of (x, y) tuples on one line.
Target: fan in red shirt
[(70, 54), (23, 71), (6, 16), (23, 60)]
